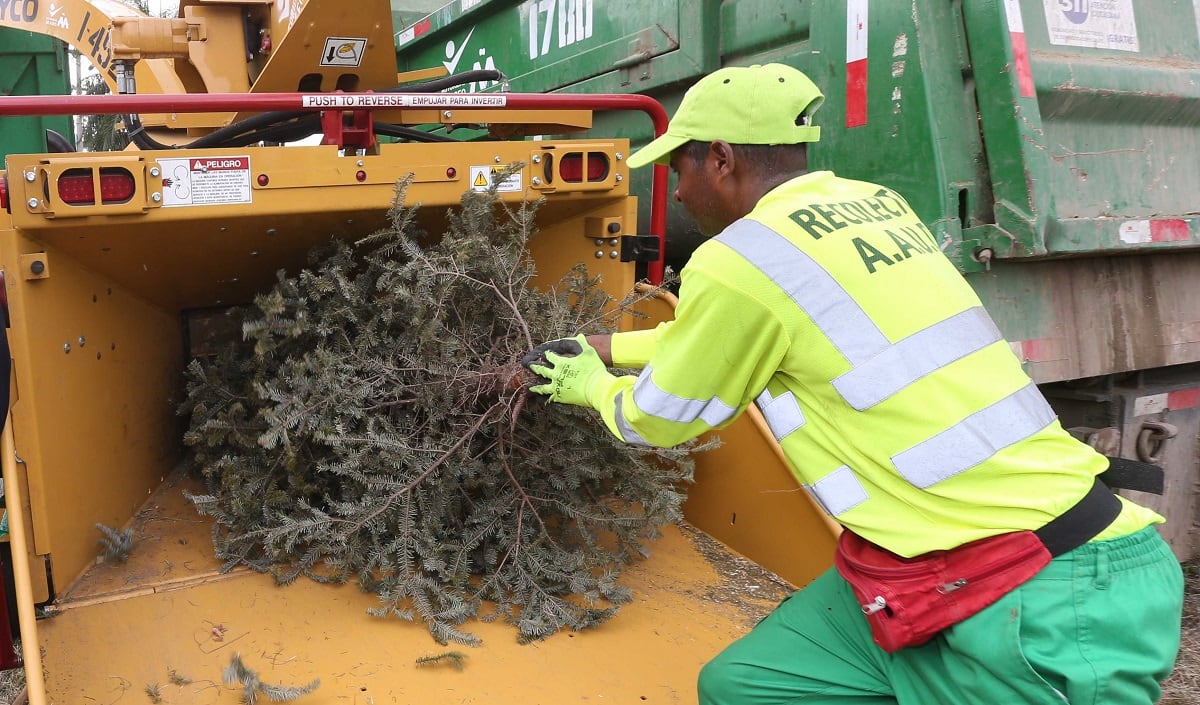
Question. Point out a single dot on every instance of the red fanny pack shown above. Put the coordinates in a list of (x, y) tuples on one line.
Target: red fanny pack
[(909, 600)]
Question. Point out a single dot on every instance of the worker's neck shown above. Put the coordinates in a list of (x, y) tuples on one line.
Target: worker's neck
[(757, 188)]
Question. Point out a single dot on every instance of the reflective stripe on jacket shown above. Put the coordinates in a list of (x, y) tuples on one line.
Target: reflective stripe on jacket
[(894, 396)]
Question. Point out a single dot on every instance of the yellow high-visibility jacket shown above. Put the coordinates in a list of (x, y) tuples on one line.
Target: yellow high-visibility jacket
[(896, 400)]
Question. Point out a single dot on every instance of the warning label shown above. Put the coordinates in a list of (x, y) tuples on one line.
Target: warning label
[(385, 100), (1099, 24), (205, 181), (343, 51), (482, 178)]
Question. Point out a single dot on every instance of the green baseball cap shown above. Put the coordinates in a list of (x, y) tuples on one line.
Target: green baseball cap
[(768, 104)]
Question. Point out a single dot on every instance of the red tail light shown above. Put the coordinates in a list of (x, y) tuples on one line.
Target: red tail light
[(78, 187), (116, 185), (4, 192), (75, 186), (571, 167)]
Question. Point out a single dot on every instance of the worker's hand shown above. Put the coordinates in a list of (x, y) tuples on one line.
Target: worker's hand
[(572, 377), (562, 346)]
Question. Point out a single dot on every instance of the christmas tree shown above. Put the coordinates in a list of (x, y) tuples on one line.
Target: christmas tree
[(374, 425)]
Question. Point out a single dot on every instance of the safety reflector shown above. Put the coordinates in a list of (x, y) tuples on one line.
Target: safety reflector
[(574, 166), (78, 187), (4, 192)]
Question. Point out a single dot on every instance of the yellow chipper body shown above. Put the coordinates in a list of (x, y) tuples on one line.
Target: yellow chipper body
[(113, 263)]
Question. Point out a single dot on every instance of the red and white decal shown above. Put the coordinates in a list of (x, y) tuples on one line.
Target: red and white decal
[(1038, 349), (856, 63), (1139, 232), (219, 163), (1016, 31), (407, 35), (1170, 401), (205, 181)]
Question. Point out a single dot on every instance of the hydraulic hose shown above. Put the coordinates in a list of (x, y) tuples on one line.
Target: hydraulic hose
[(139, 136), (441, 84), (409, 133)]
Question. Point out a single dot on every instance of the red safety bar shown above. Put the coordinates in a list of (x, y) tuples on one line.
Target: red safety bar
[(214, 102)]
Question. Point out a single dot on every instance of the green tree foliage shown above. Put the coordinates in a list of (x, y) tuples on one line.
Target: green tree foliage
[(100, 133), (375, 426)]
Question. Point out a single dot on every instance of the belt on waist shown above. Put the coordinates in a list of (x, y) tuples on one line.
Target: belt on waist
[(1082, 522), (1133, 475)]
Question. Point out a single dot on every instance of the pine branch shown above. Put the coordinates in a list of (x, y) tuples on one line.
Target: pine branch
[(455, 659), (115, 544), (238, 673)]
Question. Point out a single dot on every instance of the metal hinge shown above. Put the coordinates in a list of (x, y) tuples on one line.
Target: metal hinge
[(640, 248)]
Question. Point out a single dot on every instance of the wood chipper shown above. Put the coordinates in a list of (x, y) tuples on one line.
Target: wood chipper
[(111, 261)]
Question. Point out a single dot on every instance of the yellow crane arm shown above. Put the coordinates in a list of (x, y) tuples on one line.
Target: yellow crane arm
[(221, 46), (104, 31)]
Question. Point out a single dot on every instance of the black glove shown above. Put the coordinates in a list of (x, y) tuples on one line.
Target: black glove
[(562, 346)]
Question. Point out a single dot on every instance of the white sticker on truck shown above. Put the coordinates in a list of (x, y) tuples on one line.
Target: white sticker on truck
[(483, 176), (387, 100), (205, 181), (1138, 232), (1152, 404), (1099, 24)]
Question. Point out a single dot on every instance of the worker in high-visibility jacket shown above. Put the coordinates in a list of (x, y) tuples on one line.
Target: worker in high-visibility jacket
[(903, 411)]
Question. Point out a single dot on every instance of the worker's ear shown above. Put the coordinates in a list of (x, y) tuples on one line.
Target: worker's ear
[(721, 158)]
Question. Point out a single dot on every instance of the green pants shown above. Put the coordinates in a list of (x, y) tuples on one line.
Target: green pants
[(1100, 624)]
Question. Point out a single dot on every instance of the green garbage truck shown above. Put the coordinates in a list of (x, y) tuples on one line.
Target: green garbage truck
[(32, 64)]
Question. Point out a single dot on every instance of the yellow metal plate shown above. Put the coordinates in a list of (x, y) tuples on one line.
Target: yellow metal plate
[(128, 625)]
